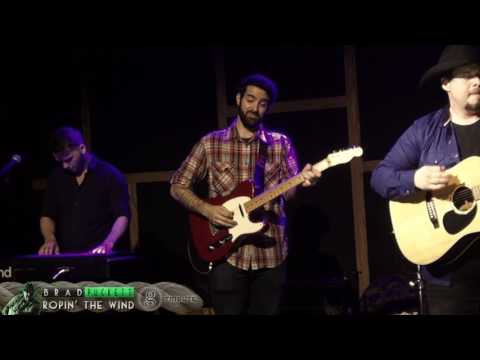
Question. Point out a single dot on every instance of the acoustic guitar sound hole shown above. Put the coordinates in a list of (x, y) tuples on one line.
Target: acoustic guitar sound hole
[(463, 198)]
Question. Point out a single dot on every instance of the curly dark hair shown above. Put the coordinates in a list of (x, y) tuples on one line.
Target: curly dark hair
[(262, 82)]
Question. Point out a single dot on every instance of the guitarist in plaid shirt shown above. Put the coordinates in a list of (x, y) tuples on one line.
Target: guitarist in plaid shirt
[(251, 280)]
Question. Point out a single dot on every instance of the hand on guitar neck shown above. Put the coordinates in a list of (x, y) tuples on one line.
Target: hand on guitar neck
[(310, 175)]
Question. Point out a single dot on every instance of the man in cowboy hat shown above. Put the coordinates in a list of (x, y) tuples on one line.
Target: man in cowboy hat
[(420, 157)]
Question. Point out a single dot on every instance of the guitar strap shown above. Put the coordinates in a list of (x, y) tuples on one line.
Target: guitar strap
[(259, 174)]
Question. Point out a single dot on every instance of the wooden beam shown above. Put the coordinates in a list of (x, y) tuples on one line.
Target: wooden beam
[(356, 168), (369, 166), (221, 88), (85, 114), (134, 178), (134, 226), (149, 177), (338, 102)]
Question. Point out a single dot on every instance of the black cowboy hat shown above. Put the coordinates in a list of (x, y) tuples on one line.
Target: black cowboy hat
[(453, 56)]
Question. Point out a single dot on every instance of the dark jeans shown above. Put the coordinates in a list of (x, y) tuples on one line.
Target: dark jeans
[(235, 291), (461, 298)]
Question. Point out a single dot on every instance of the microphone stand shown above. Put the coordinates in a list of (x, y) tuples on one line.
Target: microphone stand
[(419, 284)]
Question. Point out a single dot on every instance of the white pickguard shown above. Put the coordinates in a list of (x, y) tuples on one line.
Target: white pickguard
[(244, 225)]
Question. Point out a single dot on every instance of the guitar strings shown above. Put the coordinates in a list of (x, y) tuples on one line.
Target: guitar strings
[(464, 195)]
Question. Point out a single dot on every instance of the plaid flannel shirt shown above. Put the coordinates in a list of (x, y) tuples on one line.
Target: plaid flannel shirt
[(226, 160)]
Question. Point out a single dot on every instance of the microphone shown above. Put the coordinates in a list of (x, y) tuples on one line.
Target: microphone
[(16, 159)]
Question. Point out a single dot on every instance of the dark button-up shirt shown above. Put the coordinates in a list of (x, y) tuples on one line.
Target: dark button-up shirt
[(84, 214), (430, 140)]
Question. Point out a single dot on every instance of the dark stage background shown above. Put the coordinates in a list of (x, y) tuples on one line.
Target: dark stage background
[(149, 105)]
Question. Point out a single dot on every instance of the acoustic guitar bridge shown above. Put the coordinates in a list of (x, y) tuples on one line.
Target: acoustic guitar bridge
[(432, 212)]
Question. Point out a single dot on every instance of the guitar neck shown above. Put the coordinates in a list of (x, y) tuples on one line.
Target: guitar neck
[(271, 194)]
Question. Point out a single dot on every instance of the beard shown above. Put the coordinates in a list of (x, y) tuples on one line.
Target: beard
[(78, 168), (473, 108), (249, 119)]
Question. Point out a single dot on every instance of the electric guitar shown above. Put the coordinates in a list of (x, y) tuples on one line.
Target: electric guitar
[(440, 226), (214, 243)]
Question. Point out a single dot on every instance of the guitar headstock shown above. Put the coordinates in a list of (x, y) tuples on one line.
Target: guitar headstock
[(344, 156)]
